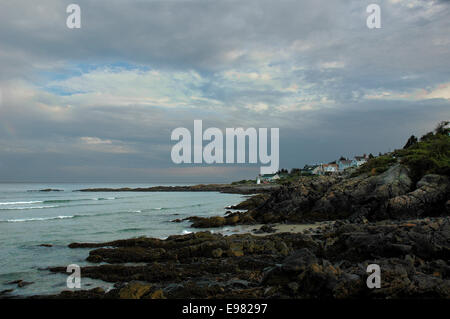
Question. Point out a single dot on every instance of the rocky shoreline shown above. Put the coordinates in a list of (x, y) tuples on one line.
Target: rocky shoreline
[(386, 219), (390, 195), (329, 261)]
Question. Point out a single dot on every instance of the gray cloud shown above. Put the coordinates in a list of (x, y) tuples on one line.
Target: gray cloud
[(311, 68)]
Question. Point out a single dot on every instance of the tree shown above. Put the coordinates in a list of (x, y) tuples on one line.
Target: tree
[(427, 136), (411, 141), (442, 128)]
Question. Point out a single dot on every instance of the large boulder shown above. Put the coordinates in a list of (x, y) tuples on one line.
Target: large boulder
[(335, 197), (364, 195), (134, 290), (428, 199)]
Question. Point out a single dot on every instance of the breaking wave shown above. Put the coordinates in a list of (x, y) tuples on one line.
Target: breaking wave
[(27, 207), (21, 203), (34, 219)]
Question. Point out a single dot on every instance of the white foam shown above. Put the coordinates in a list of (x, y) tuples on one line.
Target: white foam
[(28, 207), (35, 219), (20, 203), (103, 198)]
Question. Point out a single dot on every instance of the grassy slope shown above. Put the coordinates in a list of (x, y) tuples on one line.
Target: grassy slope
[(430, 155)]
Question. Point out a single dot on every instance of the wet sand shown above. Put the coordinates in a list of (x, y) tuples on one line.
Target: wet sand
[(278, 227)]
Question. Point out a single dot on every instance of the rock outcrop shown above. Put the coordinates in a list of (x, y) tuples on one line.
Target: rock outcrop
[(429, 199), (332, 262), (390, 195)]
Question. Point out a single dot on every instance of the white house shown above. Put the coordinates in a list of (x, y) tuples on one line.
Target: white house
[(360, 160), (268, 178), (325, 168), (318, 170), (344, 164), (331, 168)]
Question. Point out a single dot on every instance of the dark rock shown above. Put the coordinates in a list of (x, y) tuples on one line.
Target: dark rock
[(24, 283), (94, 293), (20, 283), (429, 199), (265, 229), (252, 203), (413, 257), (134, 290), (6, 291), (360, 199)]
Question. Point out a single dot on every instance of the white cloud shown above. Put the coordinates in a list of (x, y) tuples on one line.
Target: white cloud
[(94, 140), (441, 91), (97, 144), (332, 65), (234, 75), (129, 87), (258, 107)]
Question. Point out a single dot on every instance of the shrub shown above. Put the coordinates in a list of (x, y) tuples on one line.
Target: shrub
[(430, 156), (376, 165), (244, 181)]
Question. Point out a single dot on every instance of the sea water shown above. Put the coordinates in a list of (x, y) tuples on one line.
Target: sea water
[(30, 217)]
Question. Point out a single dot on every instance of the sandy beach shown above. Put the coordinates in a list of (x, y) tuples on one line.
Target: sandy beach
[(278, 228)]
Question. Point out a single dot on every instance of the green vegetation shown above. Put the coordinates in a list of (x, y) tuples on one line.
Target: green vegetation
[(291, 178), (376, 165), (430, 155), (244, 182)]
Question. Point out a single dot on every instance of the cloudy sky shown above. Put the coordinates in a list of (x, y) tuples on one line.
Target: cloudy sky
[(99, 103)]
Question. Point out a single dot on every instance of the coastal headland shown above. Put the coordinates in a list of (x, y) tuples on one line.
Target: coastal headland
[(222, 188)]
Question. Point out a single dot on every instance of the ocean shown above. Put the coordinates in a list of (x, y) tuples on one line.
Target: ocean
[(29, 218)]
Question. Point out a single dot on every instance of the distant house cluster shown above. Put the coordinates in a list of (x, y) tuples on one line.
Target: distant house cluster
[(267, 178), (270, 178), (320, 169), (335, 167)]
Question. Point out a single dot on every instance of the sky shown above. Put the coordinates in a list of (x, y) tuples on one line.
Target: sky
[(99, 103)]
